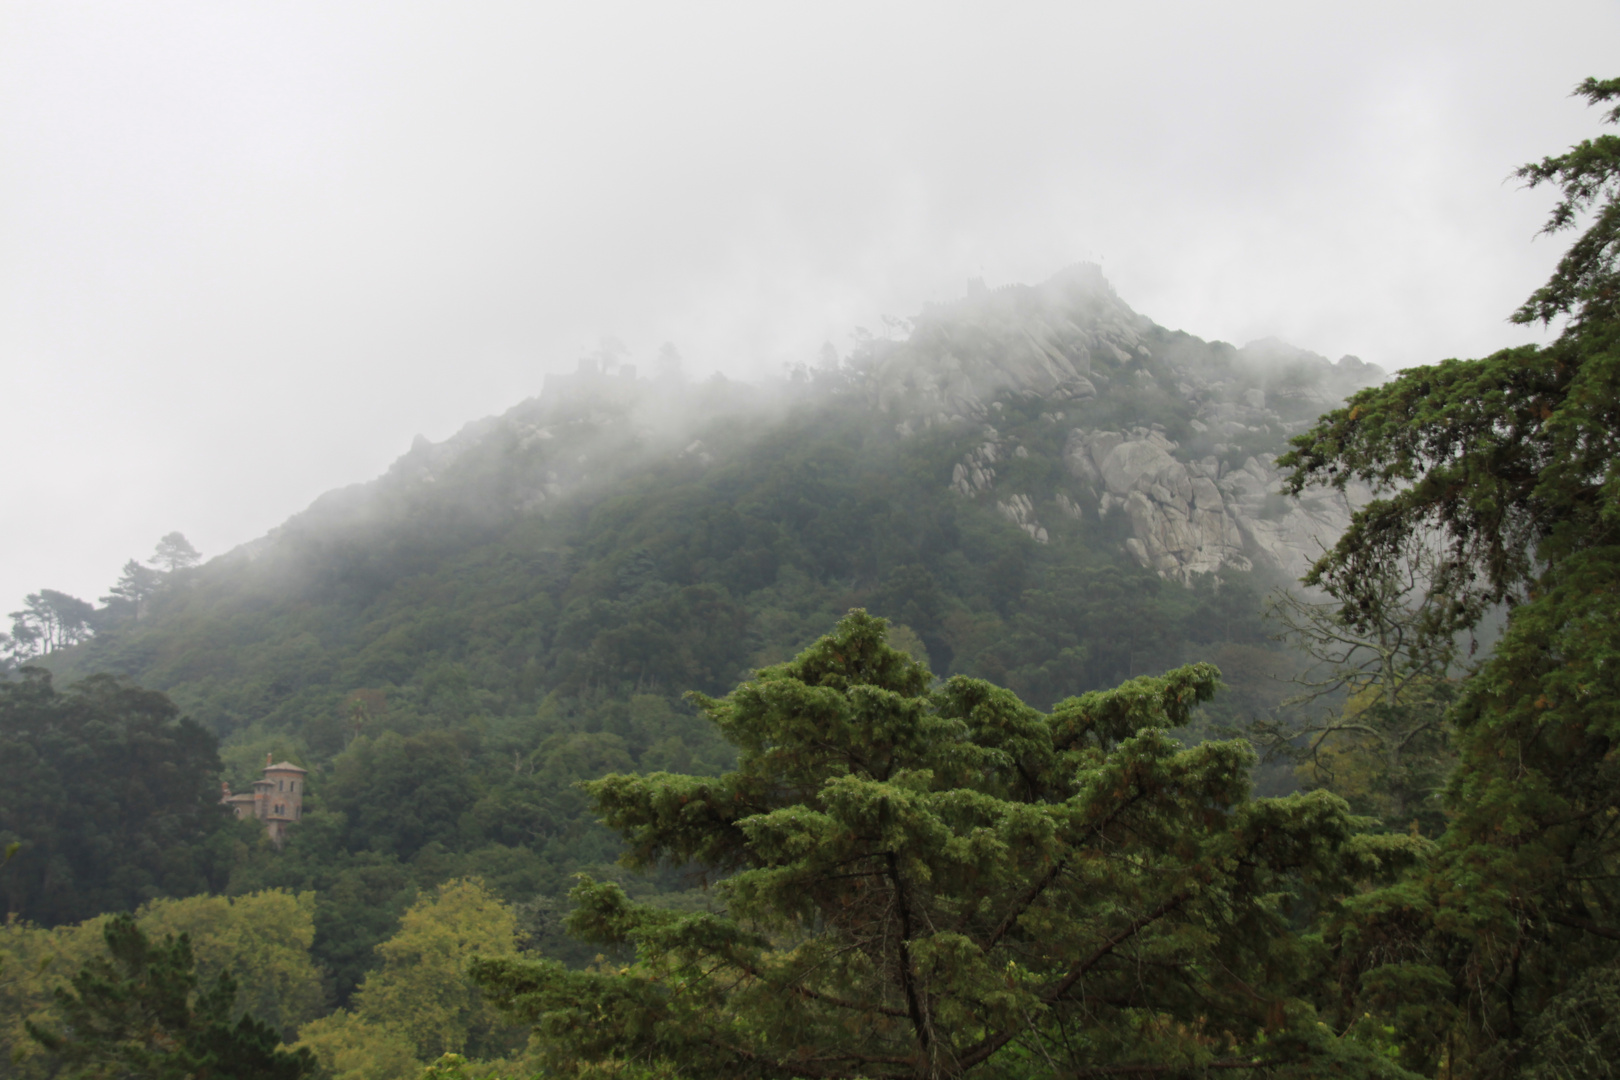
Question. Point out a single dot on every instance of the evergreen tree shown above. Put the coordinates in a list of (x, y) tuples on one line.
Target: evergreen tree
[(1369, 722), (51, 620), (942, 882), (174, 552), (134, 587), (113, 796), (1512, 932), (137, 1013)]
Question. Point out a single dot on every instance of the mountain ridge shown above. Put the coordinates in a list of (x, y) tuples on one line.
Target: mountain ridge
[(1055, 341), (620, 534)]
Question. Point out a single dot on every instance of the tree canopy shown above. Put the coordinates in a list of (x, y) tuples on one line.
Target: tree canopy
[(920, 880), (1507, 468), (137, 1011), (113, 797)]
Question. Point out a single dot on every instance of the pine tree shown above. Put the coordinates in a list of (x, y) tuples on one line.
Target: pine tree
[(138, 1012), (1511, 464), (174, 552), (919, 881)]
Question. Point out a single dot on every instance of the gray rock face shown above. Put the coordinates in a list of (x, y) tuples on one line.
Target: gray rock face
[(1180, 524), (1074, 347), (976, 472), (1188, 518), (1044, 340), (1021, 512)]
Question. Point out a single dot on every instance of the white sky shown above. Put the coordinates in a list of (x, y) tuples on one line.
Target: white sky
[(247, 251)]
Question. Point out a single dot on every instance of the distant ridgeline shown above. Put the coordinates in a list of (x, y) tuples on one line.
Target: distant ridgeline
[(1022, 447), (1036, 484)]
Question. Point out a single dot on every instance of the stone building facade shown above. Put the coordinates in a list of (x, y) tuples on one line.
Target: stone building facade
[(277, 798)]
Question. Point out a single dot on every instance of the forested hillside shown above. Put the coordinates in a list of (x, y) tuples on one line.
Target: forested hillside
[(995, 483), (1035, 485)]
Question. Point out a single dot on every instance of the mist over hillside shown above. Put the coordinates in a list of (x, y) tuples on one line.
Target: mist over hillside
[(1016, 464), (1141, 412), (1036, 485), (1036, 685)]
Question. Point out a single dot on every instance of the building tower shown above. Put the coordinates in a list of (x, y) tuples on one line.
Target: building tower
[(277, 799)]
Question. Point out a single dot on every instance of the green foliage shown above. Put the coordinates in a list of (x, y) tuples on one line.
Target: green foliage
[(456, 1067), (449, 669), (112, 797), (348, 1048), (262, 938), (174, 552), (34, 962), (1369, 721), (1584, 285), (421, 988), (942, 881), (138, 1012), (128, 597), (418, 1005), (50, 620), (661, 576), (452, 649), (397, 794), (1494, 959), (1577, 1036)]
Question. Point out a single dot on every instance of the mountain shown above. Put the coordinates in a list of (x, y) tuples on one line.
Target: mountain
[(620, 534), (1180, 438), (1036, 485)]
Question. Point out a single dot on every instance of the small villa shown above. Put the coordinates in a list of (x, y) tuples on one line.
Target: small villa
[(277, 799)]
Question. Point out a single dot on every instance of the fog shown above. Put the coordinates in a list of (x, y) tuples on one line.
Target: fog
[(248, 252)]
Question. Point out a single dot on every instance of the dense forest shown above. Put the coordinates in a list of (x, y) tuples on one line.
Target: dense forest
[(948, 708)]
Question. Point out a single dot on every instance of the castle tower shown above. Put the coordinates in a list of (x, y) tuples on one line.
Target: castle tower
[(283, 795), (277, 799)]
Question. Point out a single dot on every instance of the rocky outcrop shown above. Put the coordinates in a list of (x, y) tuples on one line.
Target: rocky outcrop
[(976, 473), (1180, 524), (1071, 349), (1021, 512), (1049, 340), (1197, 517)]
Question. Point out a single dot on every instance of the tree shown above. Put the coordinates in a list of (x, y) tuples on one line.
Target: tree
[(919, 882), (137, 1012), (174, 552), (1369, 721), (22, 644), (349, 1048), (419, 1005), (34, 962), (421, 989), (1585, 283), (400, 794), (1513, 463), (52, 620), (114, 797), (134, 587), (262, 938)]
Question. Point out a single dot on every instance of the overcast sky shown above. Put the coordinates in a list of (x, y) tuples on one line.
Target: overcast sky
[(248, 251)]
